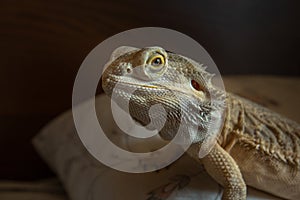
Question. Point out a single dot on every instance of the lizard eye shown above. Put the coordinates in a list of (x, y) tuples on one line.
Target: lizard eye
[(156, 64), (157, 61)]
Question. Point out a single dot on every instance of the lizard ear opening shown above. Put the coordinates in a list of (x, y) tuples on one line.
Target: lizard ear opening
[(121, 51), (196, 85)]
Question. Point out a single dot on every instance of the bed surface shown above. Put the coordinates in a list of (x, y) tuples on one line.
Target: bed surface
[(47, 189)]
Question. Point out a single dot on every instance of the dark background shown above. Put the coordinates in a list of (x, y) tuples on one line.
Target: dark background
[(44, 42)]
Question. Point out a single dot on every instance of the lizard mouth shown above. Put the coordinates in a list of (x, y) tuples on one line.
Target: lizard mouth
[(138, 85), (113, 83), (135, 85)]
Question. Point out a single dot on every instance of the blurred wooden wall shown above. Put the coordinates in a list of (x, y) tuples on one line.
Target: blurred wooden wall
[(44, 42)]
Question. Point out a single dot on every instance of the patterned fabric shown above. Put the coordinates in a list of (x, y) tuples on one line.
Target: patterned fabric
[(85, 178)]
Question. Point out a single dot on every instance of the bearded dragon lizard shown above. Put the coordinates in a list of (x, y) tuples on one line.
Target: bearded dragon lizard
[(254, 147)]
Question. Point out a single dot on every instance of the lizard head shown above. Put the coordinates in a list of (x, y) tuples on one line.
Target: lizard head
[(138, 79)]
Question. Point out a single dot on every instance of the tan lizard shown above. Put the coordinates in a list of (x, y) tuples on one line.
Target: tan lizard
[(255, 147)]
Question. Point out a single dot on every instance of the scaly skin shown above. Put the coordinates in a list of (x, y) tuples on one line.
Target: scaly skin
[(255, 146)]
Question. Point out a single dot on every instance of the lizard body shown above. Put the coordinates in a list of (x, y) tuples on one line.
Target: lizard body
[(254, 147)]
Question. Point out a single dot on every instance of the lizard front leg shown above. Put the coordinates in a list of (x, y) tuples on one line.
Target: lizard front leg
[(221, 166)]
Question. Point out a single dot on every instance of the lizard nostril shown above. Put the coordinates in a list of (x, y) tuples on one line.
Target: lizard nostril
[(128, 70)]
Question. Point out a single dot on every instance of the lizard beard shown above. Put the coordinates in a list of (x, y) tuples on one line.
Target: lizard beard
[(170, 116)]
